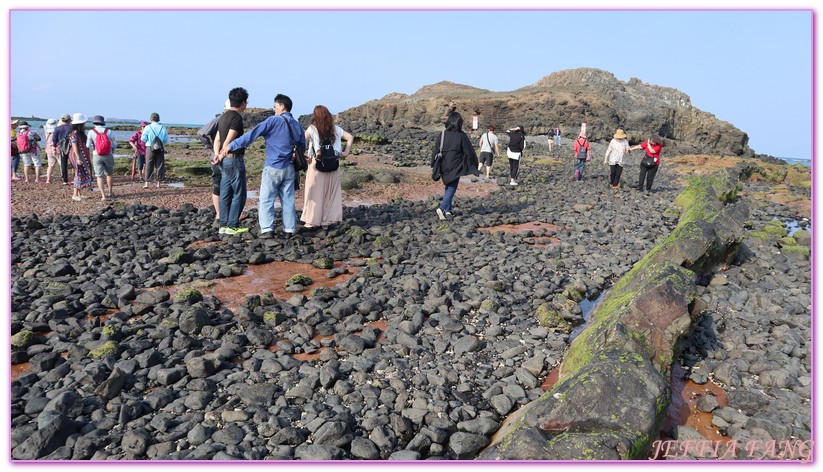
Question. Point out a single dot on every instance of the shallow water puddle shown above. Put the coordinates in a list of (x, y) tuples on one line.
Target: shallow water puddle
[(270, 277), (794, 226), (175, 185), (683, 409), (526, 228)]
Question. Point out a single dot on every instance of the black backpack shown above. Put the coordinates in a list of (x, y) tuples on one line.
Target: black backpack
[(157, 143), (327, 159)]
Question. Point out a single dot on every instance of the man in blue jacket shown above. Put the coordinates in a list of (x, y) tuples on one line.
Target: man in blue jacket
[(280, 132)]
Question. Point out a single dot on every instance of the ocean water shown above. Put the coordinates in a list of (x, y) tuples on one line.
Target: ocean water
[(793, 161), (119, 135)]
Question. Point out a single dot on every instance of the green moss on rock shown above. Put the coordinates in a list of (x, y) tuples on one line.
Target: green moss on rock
[(22, 339), (796, 252), (489, 305), (382, 242), (108, 348), (552, 320), (323, 263), (189, 295), (775, 229), (299, 279)]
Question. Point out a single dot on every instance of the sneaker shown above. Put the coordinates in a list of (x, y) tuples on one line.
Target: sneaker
[(440, 214), (236, 230), (267, 235), (222, 230), (513, 183), (449, 215), (76, 198)]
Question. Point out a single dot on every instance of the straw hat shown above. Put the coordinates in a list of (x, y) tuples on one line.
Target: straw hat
[(14, 123), (619, 134), (78, 119)]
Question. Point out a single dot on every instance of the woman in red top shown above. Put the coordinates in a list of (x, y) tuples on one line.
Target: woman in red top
[(652, 146)]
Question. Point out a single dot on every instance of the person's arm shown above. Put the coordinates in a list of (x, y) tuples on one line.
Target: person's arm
[(349, 141), (264, 127), (144, 136), (218, 150), (307, 136)]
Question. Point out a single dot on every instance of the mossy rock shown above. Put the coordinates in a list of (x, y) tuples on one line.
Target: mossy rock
[(671, 213), (382, 242), (273, 318), (111, 331), (787, 241), (760, 235), (323, 263), (108, 348), (22, 340), (322, 292), (179, 255), (796, 252), (552, 320), (372, 261), (167, 324), (355, 231), (299, 279), (574, 294), (267, 299), (489, 305), (775, 228), (189, 295)]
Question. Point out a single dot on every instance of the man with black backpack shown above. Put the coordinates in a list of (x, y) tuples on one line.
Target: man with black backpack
[(155, 137)]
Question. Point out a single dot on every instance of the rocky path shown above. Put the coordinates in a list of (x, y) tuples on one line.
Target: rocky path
[(422, 353)]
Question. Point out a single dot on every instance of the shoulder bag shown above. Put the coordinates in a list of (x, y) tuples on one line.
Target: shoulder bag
[(437, 162), (298, 159)]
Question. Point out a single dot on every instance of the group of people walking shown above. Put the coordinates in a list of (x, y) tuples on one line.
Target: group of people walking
[(91, 154), (453, 156)]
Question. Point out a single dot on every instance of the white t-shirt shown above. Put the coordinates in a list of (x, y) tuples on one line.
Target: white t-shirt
[(315, 139), (488, 141)]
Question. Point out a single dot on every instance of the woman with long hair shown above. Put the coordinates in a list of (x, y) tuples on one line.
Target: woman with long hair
[(459, 159), (79, 155), (323, 195)]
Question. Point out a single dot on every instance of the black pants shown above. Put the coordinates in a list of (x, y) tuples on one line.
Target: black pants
[(155, 161), (514, 168), (614, 175), (64, 166), (647, 174)]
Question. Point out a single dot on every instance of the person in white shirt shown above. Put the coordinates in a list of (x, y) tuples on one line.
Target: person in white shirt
[(489, 147), (618, 147)]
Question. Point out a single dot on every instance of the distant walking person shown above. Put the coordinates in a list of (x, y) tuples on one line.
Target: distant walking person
[(323, 196), (102, 143), (581, 155), (60, 139), (79, 155), (489, 147), (650, 162), (517, 143), (459, 159), (280, 132), (618, 147), (155, 137), (139, 148), (556, 134), (51, 150), (232, 165), (28, 147)]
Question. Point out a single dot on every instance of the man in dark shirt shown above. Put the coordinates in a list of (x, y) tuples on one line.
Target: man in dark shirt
[(233, 168), (60, 133)]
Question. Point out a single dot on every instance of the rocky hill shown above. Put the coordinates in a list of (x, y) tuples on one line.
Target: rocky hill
[(565, 99)]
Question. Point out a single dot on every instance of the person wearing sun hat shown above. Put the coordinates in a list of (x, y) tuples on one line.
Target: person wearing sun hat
[(51, 149), (102, 162), (28, 147), (618, 147), (61, 133), (139, 149), (79, 155)]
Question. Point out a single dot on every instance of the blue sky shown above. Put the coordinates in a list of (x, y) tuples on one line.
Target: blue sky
[(750, 68)]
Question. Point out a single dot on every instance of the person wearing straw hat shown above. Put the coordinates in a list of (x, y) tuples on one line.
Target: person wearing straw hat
[(618, 147), (51, 149), (28, 147), (102, 159), (15, 153), (79, 156)]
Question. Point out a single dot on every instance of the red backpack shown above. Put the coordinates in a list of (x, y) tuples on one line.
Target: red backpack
[(102, 143), (23, 141)]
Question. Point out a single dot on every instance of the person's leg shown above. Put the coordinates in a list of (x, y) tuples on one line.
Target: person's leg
[(147, 176), (26, 157), (226, 191), (216, 173), (642, 178), (448, 196), (161, 167), (650, 177), (287, 200), (618, 173), (268, 192), (141, 162), (233, 174)]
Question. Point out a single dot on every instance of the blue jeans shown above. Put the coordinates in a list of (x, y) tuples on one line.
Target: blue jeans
[(448, 196), (274, 183), (15, 164), (232, 191)]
